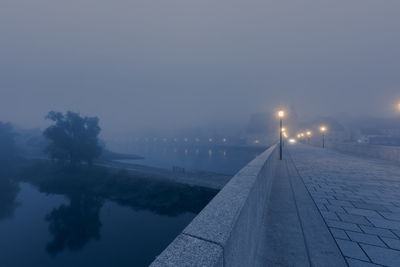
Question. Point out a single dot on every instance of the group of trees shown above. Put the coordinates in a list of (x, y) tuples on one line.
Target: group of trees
[(70, 139), (73, 139)]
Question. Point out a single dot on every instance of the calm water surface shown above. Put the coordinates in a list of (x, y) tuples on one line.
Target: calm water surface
[(76, 229), (51, 230), (220, 159)]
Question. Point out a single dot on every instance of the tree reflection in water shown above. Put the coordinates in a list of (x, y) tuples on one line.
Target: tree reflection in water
[(73, 225), (8, 194)]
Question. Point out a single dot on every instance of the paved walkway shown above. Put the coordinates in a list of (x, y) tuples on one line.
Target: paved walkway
[(295, 233), (359, 199)]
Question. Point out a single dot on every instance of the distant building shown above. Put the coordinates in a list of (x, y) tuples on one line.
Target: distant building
[(382, 131)]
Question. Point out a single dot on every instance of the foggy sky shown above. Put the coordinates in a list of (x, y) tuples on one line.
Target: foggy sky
[(173, 63)]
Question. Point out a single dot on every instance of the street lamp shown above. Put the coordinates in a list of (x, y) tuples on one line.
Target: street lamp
[(308, 136), (323, 130), (281, 115)]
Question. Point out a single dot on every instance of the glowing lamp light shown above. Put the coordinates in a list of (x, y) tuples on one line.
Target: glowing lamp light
[(323, 129), (281, 113), (292, 141), (308, 133), (210, 140), (224, 140), (283, 129)]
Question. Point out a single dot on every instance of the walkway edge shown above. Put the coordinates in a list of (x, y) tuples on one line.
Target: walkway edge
[(321, 246)]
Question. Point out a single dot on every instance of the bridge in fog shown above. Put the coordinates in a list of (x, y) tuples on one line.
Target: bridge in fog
[(316, 207)]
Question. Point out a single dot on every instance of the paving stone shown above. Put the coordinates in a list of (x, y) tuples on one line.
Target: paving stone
[(351, 218), (370, 206), (391, 215), (329, 215), (365, 238), (392, 243), (334, 208), (358, 263), (341, 203), (377, 231), (351, 249), (343, 225), (339, 233), (383, 223), (397, 232), (363, 212), (393, 209), (384, 256)]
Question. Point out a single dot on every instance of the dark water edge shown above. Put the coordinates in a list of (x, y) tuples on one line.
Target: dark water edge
[(219, 159), (50, 216)]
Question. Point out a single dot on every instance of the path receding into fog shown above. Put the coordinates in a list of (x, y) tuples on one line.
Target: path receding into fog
[(295, 233)]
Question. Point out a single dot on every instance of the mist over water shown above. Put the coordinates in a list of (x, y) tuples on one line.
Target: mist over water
[(154, 105)]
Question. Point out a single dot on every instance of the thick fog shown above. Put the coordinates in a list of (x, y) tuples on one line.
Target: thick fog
[(184, 63)]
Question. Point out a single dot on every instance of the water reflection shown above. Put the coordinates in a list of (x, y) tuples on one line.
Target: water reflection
[(192, 157), (73, 225), (8, 194)]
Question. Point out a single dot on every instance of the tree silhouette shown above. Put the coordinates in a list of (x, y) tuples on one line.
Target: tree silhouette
[(73, 225), (8, 194), (73, 138), (7, 142)]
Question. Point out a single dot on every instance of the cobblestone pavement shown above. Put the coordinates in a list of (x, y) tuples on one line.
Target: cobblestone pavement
[(359, 199)]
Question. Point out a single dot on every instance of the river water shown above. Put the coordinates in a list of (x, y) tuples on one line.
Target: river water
[(48, 229), (220, 159)]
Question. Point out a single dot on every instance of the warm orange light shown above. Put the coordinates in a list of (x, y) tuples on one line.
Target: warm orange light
[(308, 133), (283, 129), (281, 113), (323, 129)]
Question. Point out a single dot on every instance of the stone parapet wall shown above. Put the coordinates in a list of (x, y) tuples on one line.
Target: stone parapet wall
[(227, 230)]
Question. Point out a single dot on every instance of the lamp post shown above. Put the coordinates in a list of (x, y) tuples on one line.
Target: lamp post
[(283, 130), (323, 130), (308, 136), (281, 114)]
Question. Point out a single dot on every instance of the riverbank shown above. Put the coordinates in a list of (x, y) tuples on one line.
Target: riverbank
[(138, 191), (205, 179)]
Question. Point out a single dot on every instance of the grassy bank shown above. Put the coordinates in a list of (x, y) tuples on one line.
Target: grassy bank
[(166, 198)]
